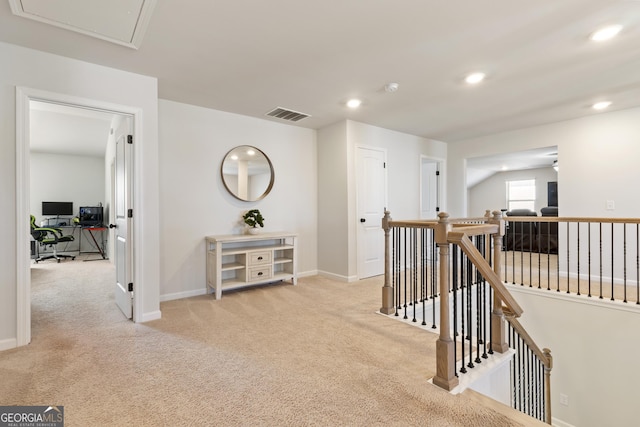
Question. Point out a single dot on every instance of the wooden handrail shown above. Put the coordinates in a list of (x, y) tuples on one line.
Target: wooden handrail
[(572, 219), (505, 307), (544, 355), (461, 239)]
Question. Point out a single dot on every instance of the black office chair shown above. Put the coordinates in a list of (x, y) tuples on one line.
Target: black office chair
[(48, 236)]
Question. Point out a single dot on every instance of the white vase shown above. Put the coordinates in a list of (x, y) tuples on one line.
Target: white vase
[(253, 230)]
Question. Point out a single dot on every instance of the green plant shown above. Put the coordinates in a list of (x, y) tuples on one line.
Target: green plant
[(253, 218)]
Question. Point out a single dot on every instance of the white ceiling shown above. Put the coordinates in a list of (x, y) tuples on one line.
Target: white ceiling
[(61, 129), (248, 57), (481, 168)]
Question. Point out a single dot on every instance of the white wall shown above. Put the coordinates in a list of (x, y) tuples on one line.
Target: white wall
[(597, 156), (66, 178), (403, 164), (337, 146), (194, 202), (79, 80), (333, 242), (595, 346), (491, 193)]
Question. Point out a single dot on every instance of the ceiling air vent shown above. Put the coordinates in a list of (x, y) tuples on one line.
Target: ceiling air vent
[(284, 114)]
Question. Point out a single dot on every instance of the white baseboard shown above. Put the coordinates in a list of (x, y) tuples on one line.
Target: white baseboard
[(308, 273), (181, 295), (8, 344), (337, 277), (559, 423), (148, 317)]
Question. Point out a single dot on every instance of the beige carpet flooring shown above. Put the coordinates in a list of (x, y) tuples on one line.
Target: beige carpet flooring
[(280, 355)]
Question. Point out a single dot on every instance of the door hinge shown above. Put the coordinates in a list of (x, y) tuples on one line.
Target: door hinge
[(437, 209), (437, 173), (129, 139), (130, 213), (130, 287), (384, 165)]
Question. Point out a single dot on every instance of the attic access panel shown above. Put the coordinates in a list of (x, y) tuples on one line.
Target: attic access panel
[(118, 21)]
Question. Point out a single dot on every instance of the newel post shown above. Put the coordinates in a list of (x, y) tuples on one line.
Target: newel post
[(445, 354), (498, 323), (388, 305), (547, 385)]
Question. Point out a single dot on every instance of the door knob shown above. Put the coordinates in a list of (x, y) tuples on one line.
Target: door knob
[(112, 226), (362, 220)]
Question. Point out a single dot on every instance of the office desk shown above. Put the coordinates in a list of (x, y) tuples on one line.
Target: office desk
[(91, 231)]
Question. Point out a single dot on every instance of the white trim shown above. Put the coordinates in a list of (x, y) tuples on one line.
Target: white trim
[(308, 273), (181, 295), (576, 299), (23, 277), (559, 423), (8, 344), (136, 39), (148, 317), (23, 260), (337, 277), (441, 167)]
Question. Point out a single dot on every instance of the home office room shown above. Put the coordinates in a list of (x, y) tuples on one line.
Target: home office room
[(70, 191)]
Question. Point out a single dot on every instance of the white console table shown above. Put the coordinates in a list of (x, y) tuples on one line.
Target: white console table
[(235, 261)]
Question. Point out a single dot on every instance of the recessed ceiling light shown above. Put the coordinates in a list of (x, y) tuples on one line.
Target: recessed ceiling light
[(606, 33), (353, 103), (601, 105), (475, 78)]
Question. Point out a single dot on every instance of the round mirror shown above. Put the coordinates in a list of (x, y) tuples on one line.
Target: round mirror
[(247, 173)]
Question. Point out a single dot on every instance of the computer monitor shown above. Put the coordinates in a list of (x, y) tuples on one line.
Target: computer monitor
[(57, 208), (90, 216)]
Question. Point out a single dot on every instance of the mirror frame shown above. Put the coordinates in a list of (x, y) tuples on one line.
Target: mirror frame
[(258, 153)]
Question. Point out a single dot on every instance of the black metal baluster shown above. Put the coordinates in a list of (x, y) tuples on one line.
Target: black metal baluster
[(612, 270), (395, 269), (434, 276), (600, 260), (578, 254), (490, 317), (463, 369), (513, 257), (540, 258), (558, 262), (469, 284), (549, 262), (405, 273), (568, 256), (624, 230), (531, 242), (589, 243), (424, 277), (414, 270)]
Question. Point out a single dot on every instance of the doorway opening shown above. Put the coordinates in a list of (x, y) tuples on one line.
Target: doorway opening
[(431, 177), (42, 109)]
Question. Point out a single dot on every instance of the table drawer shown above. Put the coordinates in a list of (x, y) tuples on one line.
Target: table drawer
[(260, 273), (259, 258)]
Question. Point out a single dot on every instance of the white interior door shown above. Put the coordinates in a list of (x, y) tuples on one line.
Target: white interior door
[(429, 188), (372, 197), (122, 219)]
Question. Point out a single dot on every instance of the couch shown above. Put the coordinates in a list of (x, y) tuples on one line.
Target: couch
[(534, 236)]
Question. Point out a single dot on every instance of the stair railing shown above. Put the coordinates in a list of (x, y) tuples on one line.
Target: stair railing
[(452, 260)]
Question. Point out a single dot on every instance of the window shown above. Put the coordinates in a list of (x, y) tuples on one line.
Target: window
[(521, 194)]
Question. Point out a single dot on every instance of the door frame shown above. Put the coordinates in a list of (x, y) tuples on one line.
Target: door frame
[(359, 192), (23, 162), (441, 167)]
